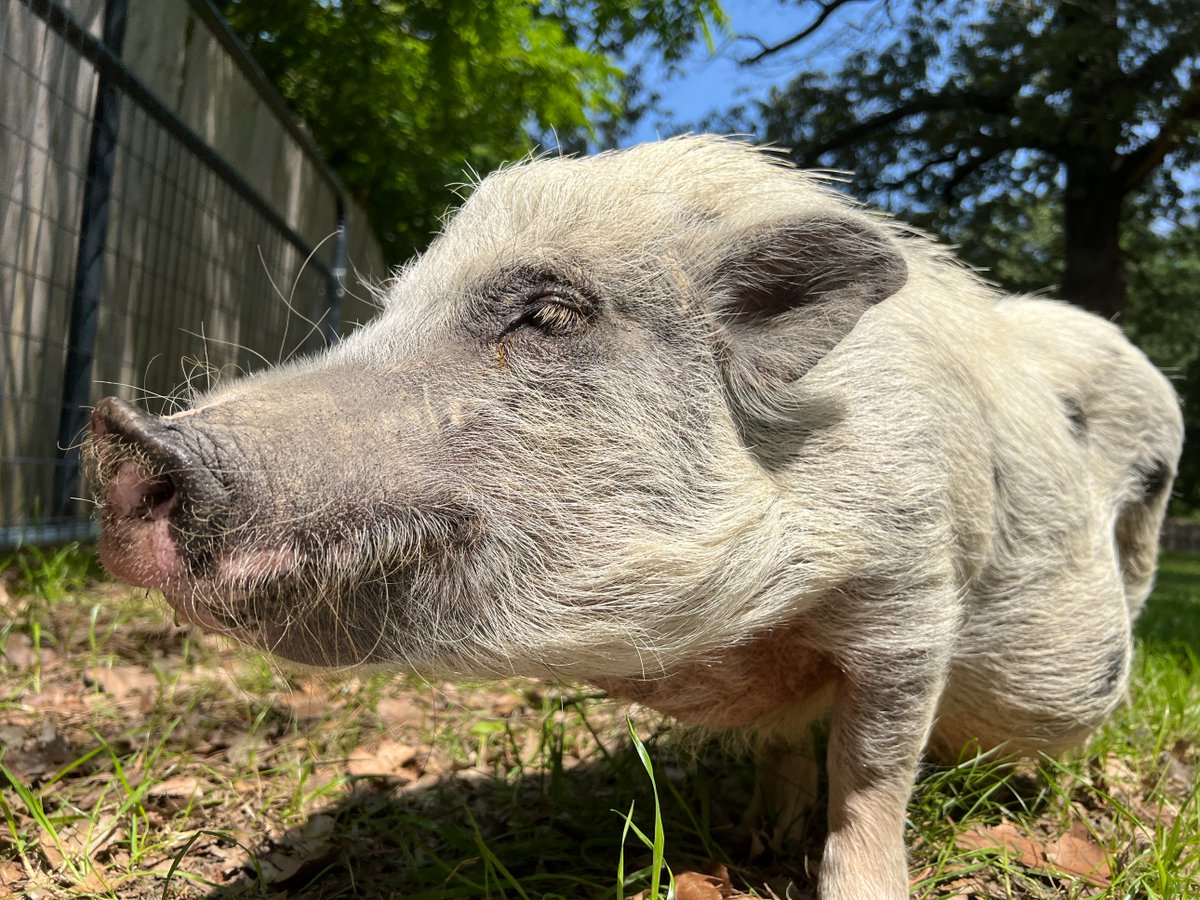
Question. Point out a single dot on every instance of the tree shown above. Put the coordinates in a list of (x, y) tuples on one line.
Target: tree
[(405, 96), (980, 117)]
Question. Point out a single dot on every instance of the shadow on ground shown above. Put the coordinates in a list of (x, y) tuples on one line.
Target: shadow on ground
[(548, 833)]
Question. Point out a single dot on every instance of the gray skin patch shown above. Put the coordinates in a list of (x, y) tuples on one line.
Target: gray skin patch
[(1076, 418), (1113, 673), (1153, 477)]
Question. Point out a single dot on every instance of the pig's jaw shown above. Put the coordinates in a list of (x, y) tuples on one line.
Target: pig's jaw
[(144, 555), (143, 552)]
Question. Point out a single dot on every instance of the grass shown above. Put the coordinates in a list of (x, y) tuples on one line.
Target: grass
[(142, 760)]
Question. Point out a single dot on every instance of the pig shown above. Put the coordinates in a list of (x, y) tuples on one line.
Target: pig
[(683, 422)]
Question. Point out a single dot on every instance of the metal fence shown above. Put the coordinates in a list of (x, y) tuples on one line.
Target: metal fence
[(146, 246)]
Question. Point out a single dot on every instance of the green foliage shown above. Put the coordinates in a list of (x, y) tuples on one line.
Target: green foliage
[(405, 96), (1056, 143), (1163, 316), (967, 101)]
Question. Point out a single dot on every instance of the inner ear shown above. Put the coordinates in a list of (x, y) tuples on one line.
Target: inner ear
[(790, 291)]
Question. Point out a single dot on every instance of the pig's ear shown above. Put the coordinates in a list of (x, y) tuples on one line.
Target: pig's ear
[(789, 291)]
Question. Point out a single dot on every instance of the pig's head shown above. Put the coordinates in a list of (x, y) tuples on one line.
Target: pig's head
[(557, 450)]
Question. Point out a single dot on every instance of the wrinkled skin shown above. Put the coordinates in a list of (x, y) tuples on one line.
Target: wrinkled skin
[(680, 422)]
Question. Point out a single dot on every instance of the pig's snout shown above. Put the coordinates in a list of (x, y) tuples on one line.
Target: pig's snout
[(154, 488), (161, 469)]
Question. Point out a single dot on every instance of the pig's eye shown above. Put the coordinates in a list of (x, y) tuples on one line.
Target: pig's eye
[(552, 314)]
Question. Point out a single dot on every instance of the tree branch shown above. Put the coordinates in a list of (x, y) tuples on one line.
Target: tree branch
[(919, 171), (827, 9), (965, 170), (1184, 122), (1159, 66), (922, 103), (1000, 104)]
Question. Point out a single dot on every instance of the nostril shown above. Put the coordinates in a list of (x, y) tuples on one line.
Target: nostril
[(147, 467), (159, 493), (135, 493)]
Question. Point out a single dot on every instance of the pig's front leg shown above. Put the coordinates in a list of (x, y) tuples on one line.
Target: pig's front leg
[(883, 711)]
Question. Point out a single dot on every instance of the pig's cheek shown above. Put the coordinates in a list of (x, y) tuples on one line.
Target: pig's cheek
[(261, 564)]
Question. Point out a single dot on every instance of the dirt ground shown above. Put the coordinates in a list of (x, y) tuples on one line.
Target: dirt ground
[(141, 760)]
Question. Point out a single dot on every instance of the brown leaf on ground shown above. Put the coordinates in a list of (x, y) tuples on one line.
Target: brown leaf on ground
[(1077, 853), (121, 682), (1074, 853), (305, 704), (12, 874), (280, 866), (56, 699), (103, 834), (20, 654), (960, 887), (180, 787), (720, 872), (41, 757), (50, 850), (695, 886), (397, 710), (505, 703), (1006, 836), (241, 749), (713, 883), (388, 758), (1118, 779), (1125, 786), (232, 859)]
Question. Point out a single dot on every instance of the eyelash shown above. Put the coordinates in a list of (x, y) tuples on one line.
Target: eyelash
[(552, 315)]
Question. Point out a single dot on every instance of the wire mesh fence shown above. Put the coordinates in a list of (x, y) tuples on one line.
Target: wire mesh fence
[(136, 256)]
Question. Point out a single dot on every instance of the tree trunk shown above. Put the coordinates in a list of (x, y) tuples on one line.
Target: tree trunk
[(1094, 275)]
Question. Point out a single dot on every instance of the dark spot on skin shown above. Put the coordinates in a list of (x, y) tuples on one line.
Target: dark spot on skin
[(1075, 417), (1153, 477), (997, 478), (1113, 673)]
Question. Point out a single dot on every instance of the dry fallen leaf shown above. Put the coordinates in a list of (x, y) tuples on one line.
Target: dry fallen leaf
[(1074, 853), (233, 859), (303, 705), (1077, 853), (280, 866), (121, 682), (50, 850), (397, 710), (505, 703), (695, 886), (20, 654), (1004, 836), (12, 873), (180, 787), (959, 889), (388, 758)]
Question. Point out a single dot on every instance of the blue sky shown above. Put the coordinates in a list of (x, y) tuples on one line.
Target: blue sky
[(716, 82), (712, 83)]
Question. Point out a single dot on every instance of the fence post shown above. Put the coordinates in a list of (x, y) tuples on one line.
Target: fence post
[(89, 266), (337, 276)]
